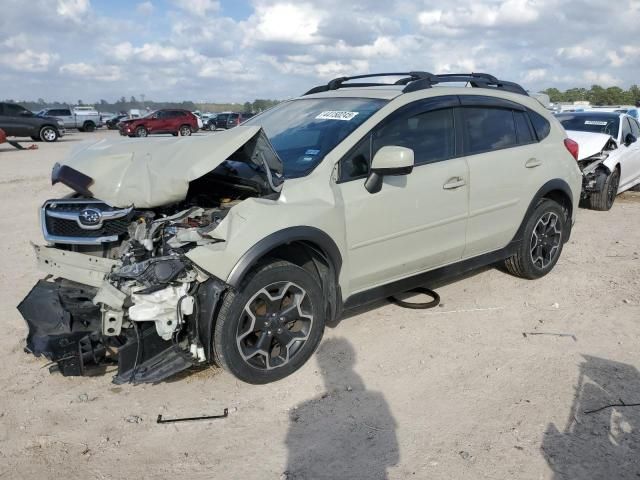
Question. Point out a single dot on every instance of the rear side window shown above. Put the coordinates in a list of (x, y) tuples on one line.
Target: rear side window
[(540, 124), (489, 129), (523, 129), (635, 129)]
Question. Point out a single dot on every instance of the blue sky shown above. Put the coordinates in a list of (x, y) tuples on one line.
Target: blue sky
[(210, 50)]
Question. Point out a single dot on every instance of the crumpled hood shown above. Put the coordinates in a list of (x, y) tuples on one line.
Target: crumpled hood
[(152, 172), (589, 143)]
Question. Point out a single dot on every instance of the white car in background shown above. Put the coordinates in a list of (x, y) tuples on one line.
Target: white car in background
[(609, 153)]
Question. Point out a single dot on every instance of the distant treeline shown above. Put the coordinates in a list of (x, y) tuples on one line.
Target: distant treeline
[(124, 105), (597, 95)]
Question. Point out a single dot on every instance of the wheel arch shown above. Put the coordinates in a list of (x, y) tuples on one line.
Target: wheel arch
[(557, 190), (305, 246)]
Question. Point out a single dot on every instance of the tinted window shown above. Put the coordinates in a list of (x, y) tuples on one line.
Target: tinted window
[(635, 128), (489, 129), (14, 110), (523, 129), (430, 135), (540, 124), (626, 128), (356, 163), (588, 122)]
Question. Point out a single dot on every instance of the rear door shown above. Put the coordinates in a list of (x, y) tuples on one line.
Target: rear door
[(417, 221), (505, 170)]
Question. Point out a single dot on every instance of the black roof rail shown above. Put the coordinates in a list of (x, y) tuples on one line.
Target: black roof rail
[(414, 81)]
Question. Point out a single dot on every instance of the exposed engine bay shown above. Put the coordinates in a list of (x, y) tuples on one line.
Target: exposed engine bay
[(120, 289)]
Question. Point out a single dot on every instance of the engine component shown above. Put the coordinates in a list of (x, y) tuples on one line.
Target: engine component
[(153, 272), (162, 308)]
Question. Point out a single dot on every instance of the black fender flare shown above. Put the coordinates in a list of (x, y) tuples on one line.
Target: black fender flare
[(557, 184), (283, 237)]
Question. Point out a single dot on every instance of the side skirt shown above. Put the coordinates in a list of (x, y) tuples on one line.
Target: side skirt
[(447, 272)]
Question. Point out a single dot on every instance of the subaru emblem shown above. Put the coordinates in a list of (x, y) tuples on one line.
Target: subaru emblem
[(90, 217)]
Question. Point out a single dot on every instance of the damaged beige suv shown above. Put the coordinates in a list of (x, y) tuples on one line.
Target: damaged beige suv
[(237, 248)]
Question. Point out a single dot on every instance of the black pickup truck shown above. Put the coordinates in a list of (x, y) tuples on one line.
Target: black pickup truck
[(17, 121)]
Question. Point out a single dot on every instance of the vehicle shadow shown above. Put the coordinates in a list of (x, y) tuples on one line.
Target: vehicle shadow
[(347, 432), (603, 444)]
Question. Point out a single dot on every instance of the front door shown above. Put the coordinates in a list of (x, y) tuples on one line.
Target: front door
[(417, 221)]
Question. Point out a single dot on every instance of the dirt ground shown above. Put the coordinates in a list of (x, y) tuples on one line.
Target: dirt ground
[(493, 384)]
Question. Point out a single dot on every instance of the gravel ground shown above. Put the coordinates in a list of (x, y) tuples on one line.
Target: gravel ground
[(492, 384)]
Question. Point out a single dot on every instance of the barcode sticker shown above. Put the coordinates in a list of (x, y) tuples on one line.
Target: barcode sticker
[(337, 115)]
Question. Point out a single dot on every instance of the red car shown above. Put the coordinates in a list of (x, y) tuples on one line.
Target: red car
[(176, 122)]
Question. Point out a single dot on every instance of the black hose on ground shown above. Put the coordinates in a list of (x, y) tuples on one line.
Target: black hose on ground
[(418, 305)]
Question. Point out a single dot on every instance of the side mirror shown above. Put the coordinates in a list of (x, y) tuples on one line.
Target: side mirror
[(629, 139), (389, 160)]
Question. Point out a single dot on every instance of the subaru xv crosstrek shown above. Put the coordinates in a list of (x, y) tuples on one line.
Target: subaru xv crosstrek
[(238, 248)]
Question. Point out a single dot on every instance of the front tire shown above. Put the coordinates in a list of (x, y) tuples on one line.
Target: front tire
[(543, 238), (604, 199), (48, 134), (141, 132), (271, 325)]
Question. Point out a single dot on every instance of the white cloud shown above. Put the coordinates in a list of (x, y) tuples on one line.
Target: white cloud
[(28, 61), (109, 73), (73, 9), (199, 8), (601, 78), (287, 22), (145, 8)]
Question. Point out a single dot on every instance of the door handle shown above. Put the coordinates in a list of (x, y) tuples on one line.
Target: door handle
[(453, 183), (532, 163)]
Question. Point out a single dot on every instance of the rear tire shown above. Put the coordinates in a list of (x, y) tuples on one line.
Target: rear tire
[(141, 132), (543, 238), (48, 134), (270, 326), (89, 127), (603, 200), (185, 131)]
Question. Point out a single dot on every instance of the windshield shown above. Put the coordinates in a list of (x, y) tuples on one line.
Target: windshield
[(304, 131), (608, 124)]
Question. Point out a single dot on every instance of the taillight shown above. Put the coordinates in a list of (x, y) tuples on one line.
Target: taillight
[(572, 146)]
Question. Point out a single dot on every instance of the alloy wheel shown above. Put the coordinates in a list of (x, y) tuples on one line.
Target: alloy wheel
[(546, 239), (49, 134), (185, 131), (274, 325), (612, 190)]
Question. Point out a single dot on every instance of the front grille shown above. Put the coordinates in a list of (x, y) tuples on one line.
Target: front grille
[(62, 222), (70, 228)]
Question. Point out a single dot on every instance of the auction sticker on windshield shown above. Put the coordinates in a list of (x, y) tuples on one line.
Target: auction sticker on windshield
[(595, 122), (337, 115)]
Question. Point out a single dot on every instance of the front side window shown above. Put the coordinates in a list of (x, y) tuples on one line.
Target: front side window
[(304, 131), (430, 135), (13, 110), (488, 129), (626, 129)]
